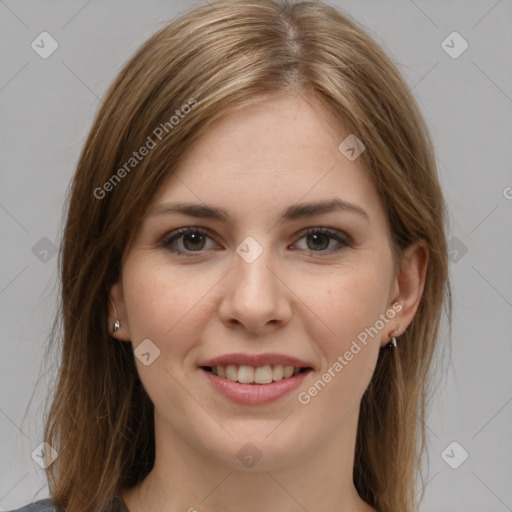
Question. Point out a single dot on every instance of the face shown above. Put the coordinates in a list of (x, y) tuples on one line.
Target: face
[(315, 286)]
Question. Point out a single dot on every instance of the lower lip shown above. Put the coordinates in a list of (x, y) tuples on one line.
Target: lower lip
[(253, 394)]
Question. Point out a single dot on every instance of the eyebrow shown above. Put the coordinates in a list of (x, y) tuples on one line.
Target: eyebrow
[(293, 212)]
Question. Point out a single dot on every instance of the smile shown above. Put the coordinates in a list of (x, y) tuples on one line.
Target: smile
[(254, 375), (288, 378)]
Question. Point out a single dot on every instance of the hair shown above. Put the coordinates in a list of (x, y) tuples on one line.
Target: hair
[(213, 60)]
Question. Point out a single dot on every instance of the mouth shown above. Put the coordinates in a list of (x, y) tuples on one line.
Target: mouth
[(256, 375)]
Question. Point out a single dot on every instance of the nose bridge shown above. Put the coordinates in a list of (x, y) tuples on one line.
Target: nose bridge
[(255, 278), (255, 295)]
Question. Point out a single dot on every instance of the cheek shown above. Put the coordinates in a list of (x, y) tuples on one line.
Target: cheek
[(163, 304), (350, 305), (348, 300)]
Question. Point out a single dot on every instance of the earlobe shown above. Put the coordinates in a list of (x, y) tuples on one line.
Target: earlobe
[(117, 319)]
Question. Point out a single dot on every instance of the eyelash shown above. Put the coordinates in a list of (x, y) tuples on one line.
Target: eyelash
[(171, 237)]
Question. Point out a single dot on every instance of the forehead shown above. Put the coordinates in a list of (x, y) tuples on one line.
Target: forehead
[(269, 155)]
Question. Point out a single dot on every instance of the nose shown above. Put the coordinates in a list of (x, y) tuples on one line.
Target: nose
[(256, 296)]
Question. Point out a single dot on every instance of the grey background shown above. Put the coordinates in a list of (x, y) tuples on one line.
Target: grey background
[(46, 110)]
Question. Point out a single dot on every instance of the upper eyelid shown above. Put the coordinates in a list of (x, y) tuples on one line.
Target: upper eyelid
[(183, 231)]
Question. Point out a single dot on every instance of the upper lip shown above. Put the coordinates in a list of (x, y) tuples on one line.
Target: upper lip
[(256, 360)]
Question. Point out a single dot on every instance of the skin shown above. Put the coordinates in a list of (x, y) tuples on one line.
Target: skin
[(299, 297)]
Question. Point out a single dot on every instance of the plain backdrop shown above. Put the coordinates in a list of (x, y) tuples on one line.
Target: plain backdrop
[(46, 109)]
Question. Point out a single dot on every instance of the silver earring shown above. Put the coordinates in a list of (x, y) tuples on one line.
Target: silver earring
[(392, 343), (116, 323)]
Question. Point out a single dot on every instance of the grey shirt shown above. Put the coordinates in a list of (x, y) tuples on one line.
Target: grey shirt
[(46, 505)]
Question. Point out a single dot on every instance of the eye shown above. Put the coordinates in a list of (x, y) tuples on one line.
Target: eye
[(321, 238), (192, 240), (185, 241)]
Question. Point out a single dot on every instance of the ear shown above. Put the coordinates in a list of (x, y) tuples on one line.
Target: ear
[(408, 287), (117, 311)]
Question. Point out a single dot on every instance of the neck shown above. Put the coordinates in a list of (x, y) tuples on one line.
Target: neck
[(186, 479)]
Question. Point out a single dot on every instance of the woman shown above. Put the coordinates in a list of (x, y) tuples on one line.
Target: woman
[(253, 272)]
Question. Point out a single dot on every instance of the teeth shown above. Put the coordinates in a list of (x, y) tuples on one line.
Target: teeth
[(287, 371), (245, 374), (277, 372), (259, 375), (263, 375)]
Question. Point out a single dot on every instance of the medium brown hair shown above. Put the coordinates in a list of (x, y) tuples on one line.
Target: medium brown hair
[(226, 55)]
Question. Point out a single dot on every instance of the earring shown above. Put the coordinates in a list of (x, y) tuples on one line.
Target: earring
[(392, 343), (116, 323)]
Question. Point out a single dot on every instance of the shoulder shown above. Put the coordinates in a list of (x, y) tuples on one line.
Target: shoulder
[(44, 505)]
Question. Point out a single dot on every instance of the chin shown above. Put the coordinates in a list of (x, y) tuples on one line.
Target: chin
[(256, 452)]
